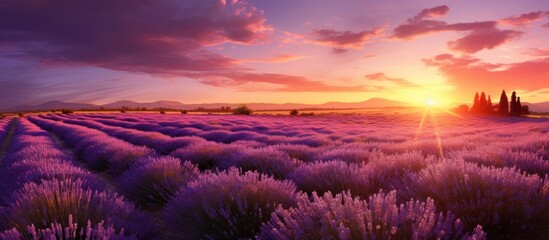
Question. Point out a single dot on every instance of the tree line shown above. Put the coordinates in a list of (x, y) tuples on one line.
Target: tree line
[(482, 104)]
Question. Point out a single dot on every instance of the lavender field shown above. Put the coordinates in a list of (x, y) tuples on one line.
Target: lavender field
[(378, 176)]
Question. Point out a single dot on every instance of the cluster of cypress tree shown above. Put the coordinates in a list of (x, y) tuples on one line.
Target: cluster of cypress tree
[(481, 104), (514, 107)]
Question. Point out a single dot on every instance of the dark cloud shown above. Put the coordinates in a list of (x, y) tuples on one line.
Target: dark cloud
[(160, 37), (479, 35), (149, 36)]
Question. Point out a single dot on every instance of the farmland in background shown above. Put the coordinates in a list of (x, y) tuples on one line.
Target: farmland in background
[(387, 174)]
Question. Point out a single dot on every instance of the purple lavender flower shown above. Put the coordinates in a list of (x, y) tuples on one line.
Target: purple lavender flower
[(345, 217), (207, 155), (506, 202), (264, 160), (71, 231), (226, 205), (54, 200), (152, 181), (336, 177)]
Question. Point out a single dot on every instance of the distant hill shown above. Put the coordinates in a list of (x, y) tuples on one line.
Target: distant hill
[(370, 103), (538, 107), (148, 105), (53, 105)]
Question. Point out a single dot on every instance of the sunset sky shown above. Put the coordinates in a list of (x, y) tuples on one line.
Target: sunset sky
[(278, 51)]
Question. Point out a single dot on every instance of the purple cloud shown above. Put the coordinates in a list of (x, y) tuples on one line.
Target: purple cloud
[(524, 19), (434, 12), (479, 36), (340, 41), (483, 39), (156, 37)]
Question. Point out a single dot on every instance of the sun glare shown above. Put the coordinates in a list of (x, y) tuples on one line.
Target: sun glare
[(431, 102)]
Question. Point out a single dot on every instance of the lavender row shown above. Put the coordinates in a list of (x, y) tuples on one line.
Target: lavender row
[(512, 141), (99, 151), (33, 156), (207, 155), (152, 140), (526, 153), (236, 205), (210, 133), (178, 210), (465, 133), (141, 174), (4, 125), (46, 195), (529, 155)]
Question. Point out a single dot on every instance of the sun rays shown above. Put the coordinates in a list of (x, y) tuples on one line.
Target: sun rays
[(431, 105)]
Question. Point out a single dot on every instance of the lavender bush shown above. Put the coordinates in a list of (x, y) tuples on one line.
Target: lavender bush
[(38, 170), (336, 177), (152, 181), (345, 217), (53, 201), (207, 155), (300, 152), (507, 203), (226, 205), (71, 231), (264, 160)]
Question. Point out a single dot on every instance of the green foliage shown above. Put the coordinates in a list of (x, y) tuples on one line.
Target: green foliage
[(294, 112), (243, 110), (525, 110), (66, 111)]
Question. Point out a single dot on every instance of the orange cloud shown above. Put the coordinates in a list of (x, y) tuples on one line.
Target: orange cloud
[(379, 76), (278, 82), (537, 52), (281, 58), (470, 74)]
